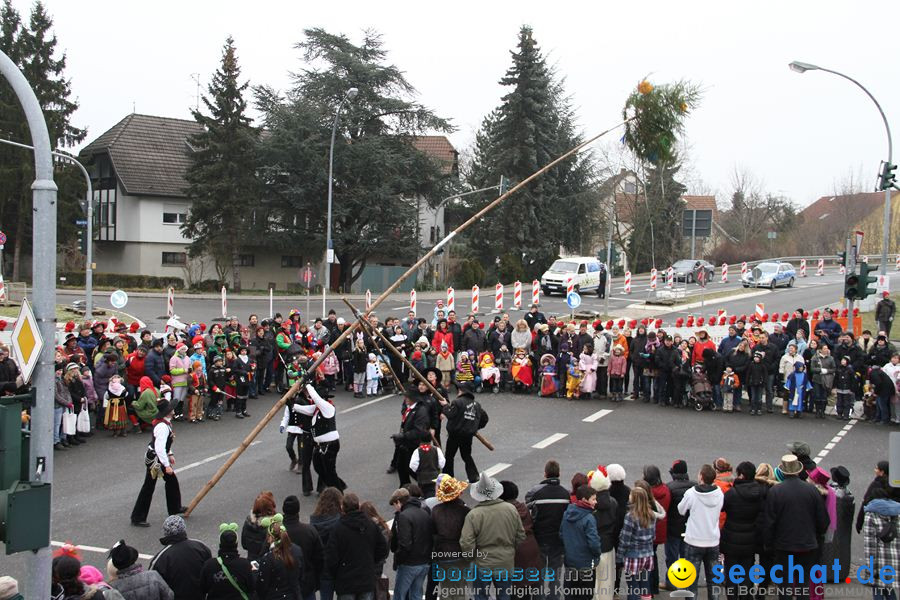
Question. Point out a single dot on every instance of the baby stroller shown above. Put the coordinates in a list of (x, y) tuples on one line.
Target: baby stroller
[(701, 389)]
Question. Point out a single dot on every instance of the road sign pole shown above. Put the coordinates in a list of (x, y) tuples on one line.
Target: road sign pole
[(38, 564)]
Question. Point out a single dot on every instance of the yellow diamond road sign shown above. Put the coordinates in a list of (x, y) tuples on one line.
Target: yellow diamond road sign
[(26, 341)]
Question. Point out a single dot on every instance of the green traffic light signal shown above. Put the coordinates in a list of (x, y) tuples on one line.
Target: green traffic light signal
[(865, 279)]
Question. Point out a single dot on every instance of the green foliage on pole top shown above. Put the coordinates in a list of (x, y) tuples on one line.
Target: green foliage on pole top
[(660, 112)]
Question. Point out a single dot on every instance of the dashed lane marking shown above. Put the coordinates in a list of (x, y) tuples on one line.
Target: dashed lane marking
[(210, 459), (96, 549), (491, 471), (836, 440), (364, 404), (550, 440), (597, 415)]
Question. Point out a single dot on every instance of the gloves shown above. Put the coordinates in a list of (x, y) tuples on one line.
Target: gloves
[(281, 429), (397, 437)]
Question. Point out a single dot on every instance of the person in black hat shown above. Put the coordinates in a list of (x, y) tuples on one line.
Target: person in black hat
[(129, 578), (845, 506), (797, 322), (465, 416), (325, 436), (415, 421), (159, 461)]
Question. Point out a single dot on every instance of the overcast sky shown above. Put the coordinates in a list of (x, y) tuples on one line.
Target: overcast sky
[(800, 134)]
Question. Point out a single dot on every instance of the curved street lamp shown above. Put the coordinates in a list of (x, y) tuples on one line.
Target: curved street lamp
[(802, 67), (350, 95)]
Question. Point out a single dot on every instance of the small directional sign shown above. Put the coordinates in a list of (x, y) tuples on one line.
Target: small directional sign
[(118, 299), (573, 300)]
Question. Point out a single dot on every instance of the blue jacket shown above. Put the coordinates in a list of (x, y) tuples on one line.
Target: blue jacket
[(728, 344), (88, 344), (154, 367), (832, 330), (581, 542)]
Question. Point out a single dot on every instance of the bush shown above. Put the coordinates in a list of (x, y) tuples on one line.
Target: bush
[(468, 273), (124, 281), (207, 285)]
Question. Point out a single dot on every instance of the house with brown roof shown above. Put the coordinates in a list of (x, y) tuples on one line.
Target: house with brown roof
[(138, 172), (826, 223)]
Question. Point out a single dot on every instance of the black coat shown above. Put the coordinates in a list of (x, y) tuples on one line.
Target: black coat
[(180, 563), (795, 516), (793, 325), (307, 538), (417, 422), (547, 502), (743, 506), (879, 483), (154, 367), (253, 538), (605, 516), (882, 382), (853, 352), (714, 365), (324, 525), (738, 361), (274, 581), (675, 521), (214, 584), (411, 535), (620, 492), (355, 547), (756, 374), (447, 519)]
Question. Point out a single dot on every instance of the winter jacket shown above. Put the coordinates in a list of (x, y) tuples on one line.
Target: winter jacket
[(253, 538), (324, 525), (738, 361), (491, 531), (795, 516), (704, 502), (134, 583), (145, 406), (548, 502), (215, 586), (417, 422), (154, 367), (465, 416), (879, 483), (635, 541), (180, 563), (411, 535), (474, 340), (528, 553), (605, 517), (519, 339), (793, 325), (102, 373), (447, 519), (743, 504), (786, 364), (828, 331), (714, 365), (663, 497), (306, 536), (853, 352), (881, 381), (880, 355), (355, 547), (675, 521), (179, 367), (884, 310), (821, 370), (441, 337), (845, 379), (756, 374), (699, 347), (620, 493), (581, 542), (134, 368), (274, 581), (770, 356)]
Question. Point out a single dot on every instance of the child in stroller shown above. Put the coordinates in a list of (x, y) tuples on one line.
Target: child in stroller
[(701, 389)]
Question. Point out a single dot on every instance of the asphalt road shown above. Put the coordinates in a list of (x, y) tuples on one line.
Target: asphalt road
[(96, 484)]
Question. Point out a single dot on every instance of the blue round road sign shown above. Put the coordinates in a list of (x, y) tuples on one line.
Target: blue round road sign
[(573, 299), (118, 299)]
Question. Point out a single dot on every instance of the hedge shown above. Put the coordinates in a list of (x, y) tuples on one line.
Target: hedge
[(126, 281)]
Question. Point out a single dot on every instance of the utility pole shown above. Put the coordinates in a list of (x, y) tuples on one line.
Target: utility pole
[(40, 458)]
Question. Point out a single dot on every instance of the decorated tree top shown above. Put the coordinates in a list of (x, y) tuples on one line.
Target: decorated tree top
[(658, 118)]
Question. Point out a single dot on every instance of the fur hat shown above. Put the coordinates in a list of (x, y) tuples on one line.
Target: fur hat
[(122, 555), (615, 472), (599, 479)]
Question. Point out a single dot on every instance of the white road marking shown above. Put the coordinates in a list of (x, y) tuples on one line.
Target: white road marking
[(597, 415), (842, 433), (550, 440), (836, 440), (364, 404), (96, 549), (491, 471), (829, 446), (210, 458)]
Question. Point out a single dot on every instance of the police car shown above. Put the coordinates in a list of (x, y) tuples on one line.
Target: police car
[(770, 275)]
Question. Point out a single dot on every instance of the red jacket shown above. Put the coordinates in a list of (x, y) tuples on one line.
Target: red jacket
[(699, 347), (442, 336), (134, 369), (662, 495)]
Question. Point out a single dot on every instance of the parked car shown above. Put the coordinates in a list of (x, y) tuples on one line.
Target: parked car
[(770, 275), (689, 270), (584, 271)]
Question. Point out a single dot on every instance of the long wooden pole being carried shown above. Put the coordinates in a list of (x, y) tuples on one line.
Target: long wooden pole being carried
[(416, 373), (381, 298)]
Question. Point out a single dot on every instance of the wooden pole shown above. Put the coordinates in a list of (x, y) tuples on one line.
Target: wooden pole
[(412, 369), (381, 298), (368, 328)]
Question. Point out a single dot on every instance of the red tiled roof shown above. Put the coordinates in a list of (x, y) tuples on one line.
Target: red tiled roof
[(861, 205), (700, 203), (440, 149)]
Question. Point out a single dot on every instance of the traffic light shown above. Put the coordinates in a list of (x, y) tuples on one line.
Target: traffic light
[(888, 177), (865, 279), (843, 257), (504, 184), (82, 241), (851, 286), (24, 504)]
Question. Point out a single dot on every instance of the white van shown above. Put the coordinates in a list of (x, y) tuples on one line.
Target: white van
[(584, 271)]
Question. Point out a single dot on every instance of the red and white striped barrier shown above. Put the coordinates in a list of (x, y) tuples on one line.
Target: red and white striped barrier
[(802, 267), (412, 301), (865, 258), (820, 269), (743, 269), (843, 270), (368, 300), (670, 278), (760, 310), (898, 262), (627, 286), (170, 300), (535, 292), (653, 276), (475, 299), (451, 299), (517, 295), (570, 286), (724, 272), (498, 297), (224, 303)]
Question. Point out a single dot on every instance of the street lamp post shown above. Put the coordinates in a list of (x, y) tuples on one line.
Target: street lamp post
[(89, 245), (802, 67), (329, 251)]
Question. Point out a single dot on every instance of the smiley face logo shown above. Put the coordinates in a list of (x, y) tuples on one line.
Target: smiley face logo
[(682, 573)]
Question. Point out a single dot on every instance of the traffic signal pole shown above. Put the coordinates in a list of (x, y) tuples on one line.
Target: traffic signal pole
[(38, 563)]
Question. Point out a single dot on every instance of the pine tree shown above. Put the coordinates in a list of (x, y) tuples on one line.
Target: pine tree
[(34, 50), (656, 239), (222, 176), (533, 124), (378, 174)]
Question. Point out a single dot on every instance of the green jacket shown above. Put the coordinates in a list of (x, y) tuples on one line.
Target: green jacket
[(491, 532), (145, 406)]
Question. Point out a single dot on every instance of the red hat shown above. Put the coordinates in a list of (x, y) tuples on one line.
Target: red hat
[(70, 326), (180, 346), (166, 379), (885, 293), (197, 339), (134, 327)]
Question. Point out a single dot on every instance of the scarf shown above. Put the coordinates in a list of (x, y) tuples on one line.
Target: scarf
[(406, 411), (583, 504)]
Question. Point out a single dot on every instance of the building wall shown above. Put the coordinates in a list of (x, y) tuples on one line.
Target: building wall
[(872, 226)]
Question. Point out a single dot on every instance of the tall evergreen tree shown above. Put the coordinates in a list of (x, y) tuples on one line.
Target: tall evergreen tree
[(34, 50), (656, 238), (378, 174), (222, 176), (533, 124)]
